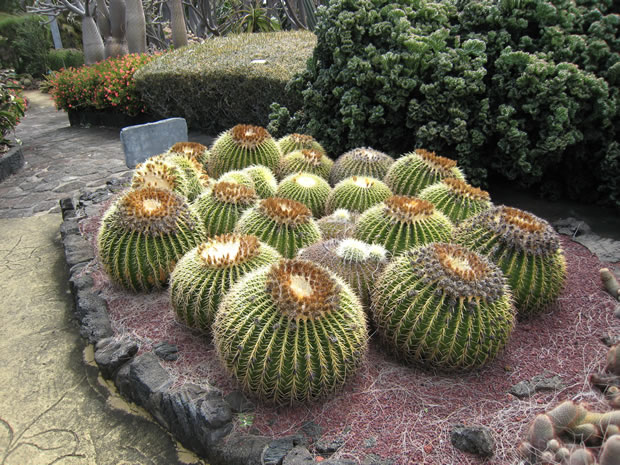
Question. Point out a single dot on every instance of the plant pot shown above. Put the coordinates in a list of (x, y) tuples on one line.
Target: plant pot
[(11, 162), (106, 118)]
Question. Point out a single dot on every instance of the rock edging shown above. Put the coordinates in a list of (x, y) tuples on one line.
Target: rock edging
[(11, 162), (201, 420)]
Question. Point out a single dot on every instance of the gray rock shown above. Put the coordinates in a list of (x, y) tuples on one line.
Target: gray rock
[(11, 162), (80, 281), (329, 447), (77, 250), (238, 449), (476, 440), (299, 455), (571, 227), (238, 402), (606, 249), (166, 351), (146, 377), (145, 140), (538, 383), (112, 353), (610, 339), (373, 459), (312, 430), (92, 313), (70, 226), (370, 442), (617, 311), (67, 208), (277, 449), (521, 390)]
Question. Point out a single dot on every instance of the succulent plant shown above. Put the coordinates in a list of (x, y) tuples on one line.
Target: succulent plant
[(284, 224), (143, 234), (338, 225), (238, 177), (221, 207), (309, 189), (361, 162), (419, 169), (443, 306), (456, 199), (196, 178), (356, 194), (157, 173), (192, 150), (402, 222), (242, 146), (264, 180), (308, 161), (292, 142), (525, 247), (291, 332), (610, 454), (357, 262), (208, 271)]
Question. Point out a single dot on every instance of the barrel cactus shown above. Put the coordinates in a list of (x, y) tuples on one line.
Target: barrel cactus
[(357, 194), (443, 306), (143, 234), (309, 189), (293, 142), (525, 247), (193, 150), (338, 225), (221, 207), (160, 173), (264, 181), (402, 222), (242, 146), (457, 199), (238, 177), (361, 161), (291, 332), (194, 173), (284, 224), (357, 262), (208, 271), (308, 161), (417, 170)]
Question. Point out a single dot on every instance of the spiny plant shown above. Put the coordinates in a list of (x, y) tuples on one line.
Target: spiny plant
[(196, 178), (362, 161), (284, 224), (158, 173), (357, 194), (525, 247), (359, 263), (143, 234), (242, 146), (457, 199), (221, 207), (193, 150), (306, 160), (265, 182), (238, 177), (208, 271), (293, 142), (443, 306), (309, 189), (402, 222), (291, 332), (419, 169), (338, 225)]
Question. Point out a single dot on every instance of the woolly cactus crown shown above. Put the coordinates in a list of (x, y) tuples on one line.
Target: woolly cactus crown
[(406, 209), (293, 142), (227, 250), (338, 225), (192, 150), (156, 172), (357, 251), (307, 188)]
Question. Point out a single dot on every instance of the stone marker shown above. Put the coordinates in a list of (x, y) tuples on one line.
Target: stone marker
[(145, 140)]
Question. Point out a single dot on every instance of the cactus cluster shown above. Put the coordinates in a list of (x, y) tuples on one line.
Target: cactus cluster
[(307, 161), (241, 177), (525, 247), (309, 189), (356, 194), (361, 162), (293, 142), (291, 332), (143, 234), (338, 225), (456, 199), (208, 271)]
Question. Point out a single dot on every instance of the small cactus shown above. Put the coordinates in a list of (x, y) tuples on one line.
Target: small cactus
[(613, 360), (309, 189), (417, 170), (241, 177), (338, 225), (284, 224), (308, 161), (143, 234), (263, 179), (456, 199), (581, 457), (356, 194), (360, 162), (161, 174), (195, 176), (291, 332), (192, 150), (293, 142), (610, 453)]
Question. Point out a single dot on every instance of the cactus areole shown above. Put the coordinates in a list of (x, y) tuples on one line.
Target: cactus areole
[(228, 192), (285, 211), (228, 250), (406, 209)]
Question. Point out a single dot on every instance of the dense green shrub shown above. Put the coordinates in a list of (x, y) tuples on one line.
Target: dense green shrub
[(527, 89), (12, 106), (24, 44), (64, 58), (227, 80)]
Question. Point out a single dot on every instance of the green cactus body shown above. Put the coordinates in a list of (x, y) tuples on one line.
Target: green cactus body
[(194, 151), (241, 177), (417, 170), (456, 199), (359, 263), (525, 247), (443, 306), (338, 225), (196, 179), (284, 224), (362, 162), (307, 161), (221, 207), (208, 271), (242, 146), (357, 194), (402, 222), (309, 189), (291, 332), (293, 142), (160, 173), (263, 179), (143, 234)]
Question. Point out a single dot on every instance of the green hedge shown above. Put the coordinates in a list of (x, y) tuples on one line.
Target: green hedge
[(215, 85), (64, 58), (24, 44)]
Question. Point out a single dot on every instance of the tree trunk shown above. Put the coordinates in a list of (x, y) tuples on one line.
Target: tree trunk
[(136, 27), (177, 23), (91, 41)]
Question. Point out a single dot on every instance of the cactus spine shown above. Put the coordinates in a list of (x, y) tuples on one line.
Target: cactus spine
[(309, 189), (306, 160), (208, 271), (144, 234), (443, 306), (292, 142), (194, 151), (360, 162), (241, 177), (338, 225), (357, 194), (456, 199), (291, 332), (263, 179)]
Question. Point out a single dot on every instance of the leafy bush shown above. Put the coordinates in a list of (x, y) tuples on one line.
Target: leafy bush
[(228, 80), (24, 44), (12, 105), (107, 85), (525, 89), (64, 58)]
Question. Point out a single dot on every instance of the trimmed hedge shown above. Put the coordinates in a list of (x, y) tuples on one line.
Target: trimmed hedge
[(215, 85)]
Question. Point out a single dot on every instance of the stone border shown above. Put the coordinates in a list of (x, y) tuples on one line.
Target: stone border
[(11, 162), (110, 119), (201, 420)]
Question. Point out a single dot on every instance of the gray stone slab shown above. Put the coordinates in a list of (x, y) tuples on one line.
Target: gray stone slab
[(145, 140)]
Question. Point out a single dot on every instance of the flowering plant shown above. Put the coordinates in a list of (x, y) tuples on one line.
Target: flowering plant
[(107, 84), (12, 105)]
